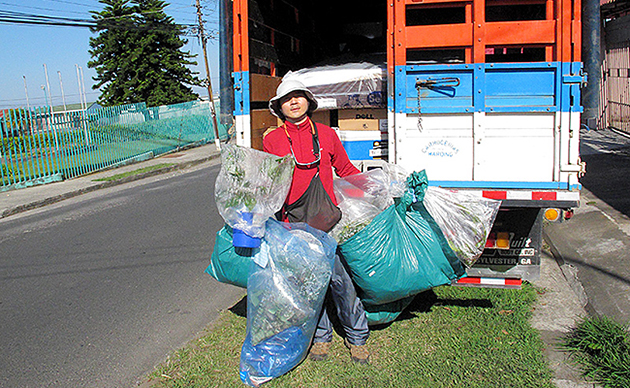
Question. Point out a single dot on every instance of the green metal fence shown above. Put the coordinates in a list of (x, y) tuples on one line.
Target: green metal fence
[(40, 146)]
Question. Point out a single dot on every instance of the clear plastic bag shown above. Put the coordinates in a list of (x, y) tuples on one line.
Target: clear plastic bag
[(251, 186), (285, 292), (356, 214), (363, 196), (464, 219), (351, 85)]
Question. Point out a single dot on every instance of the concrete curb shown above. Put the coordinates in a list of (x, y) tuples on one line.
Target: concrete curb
[(569, 272)]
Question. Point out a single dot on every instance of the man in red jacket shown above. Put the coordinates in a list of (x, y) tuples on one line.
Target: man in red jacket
[(294, 104)]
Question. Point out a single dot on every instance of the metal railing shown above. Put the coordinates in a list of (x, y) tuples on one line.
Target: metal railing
[(41, 146), (618, 115)]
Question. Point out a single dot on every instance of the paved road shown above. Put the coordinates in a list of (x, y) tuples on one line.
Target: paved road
[(98, 289), (607, 157)]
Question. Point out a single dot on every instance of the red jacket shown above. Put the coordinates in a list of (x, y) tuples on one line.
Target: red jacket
[(333, 155)]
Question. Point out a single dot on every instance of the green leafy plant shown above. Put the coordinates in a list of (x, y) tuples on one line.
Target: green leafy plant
[(250, 181), (601, 347), (350, 229)]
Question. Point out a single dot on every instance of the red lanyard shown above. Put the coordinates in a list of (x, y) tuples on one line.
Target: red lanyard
[(315, 146)]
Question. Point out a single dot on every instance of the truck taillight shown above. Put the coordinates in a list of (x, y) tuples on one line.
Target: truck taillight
[(498, 240), (503, 240)]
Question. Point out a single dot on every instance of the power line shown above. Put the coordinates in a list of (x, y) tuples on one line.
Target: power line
[(17, 14), (24, 18), (40, 8), (70, 2)]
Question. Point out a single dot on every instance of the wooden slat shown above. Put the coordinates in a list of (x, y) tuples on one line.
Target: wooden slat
[(521, 33), (438, 2), (240, 35), (434, 36)]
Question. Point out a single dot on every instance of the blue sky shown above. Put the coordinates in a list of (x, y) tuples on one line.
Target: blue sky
[(25, 48)]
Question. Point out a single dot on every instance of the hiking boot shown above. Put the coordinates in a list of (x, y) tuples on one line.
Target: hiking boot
[(319, 351), (359, 353)]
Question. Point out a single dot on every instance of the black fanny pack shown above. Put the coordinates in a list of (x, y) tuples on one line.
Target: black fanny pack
[(315, 207)]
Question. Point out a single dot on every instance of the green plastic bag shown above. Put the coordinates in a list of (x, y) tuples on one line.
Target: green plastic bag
[(402, 252), (227, 263), (386, 313)]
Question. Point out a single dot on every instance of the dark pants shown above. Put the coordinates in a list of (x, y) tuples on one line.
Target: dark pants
[(349, 309)]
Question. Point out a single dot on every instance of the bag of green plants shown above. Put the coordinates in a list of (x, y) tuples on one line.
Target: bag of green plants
[(363, 196), (464, 219), (287, 283), (401, 252), (251, 186)]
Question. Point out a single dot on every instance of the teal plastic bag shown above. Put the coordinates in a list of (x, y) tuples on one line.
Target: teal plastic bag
[(227, 263), (385, 313), (402, 252)]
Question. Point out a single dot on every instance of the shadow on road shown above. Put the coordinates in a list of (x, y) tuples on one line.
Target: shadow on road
[(608, 178)]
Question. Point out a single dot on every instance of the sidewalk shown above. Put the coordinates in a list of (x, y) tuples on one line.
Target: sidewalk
[(21, 200), (559, 306), (556, 312), (593, 247)]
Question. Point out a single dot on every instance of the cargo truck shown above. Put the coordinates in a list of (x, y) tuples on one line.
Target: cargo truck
[(482, 94)]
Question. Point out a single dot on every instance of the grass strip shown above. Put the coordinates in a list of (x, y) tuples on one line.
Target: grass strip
[(449, 337), (134, 172), (601, 348)]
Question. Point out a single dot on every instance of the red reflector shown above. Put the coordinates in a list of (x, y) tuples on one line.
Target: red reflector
[(495, 194), (544, 195), (513, 282)]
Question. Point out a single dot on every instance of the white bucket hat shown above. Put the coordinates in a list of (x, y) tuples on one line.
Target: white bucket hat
[(286, 87)]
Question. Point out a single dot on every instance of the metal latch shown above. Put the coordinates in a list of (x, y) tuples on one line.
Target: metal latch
[(581, 78), (446, 82), (433, 83)]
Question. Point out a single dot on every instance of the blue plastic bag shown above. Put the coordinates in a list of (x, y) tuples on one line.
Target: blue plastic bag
[(285, 293)]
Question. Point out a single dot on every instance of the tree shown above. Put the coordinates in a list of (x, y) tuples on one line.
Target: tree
[(138, 55), (110, 48)]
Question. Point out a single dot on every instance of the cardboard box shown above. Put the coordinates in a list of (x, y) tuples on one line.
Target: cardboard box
[(359, 144), (262, 120), (362, 119), (322, 117), (263, 87)]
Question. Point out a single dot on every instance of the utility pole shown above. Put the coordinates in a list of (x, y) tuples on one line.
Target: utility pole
[(50, 102), (76, 66), (63, 96), (591, 56), (84, 100), (202, 36), (28, 106)]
